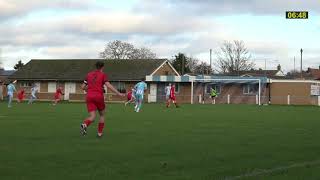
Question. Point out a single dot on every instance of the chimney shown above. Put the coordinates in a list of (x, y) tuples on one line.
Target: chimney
[(279, 67), (309, 70)]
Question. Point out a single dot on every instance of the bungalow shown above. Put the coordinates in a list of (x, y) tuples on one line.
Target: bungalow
[(4, 74), (48, 74), (260, 87), (294, 91), (242, 90)]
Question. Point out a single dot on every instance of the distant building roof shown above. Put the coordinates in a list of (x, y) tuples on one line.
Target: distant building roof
[(76, 69), (315, 73), (310, 74), (265, 73), (6, 72)]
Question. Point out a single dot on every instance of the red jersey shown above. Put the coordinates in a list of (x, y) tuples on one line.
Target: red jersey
[(21, 94), (95, 81), (129, 95), (59, 91), (172, 92)]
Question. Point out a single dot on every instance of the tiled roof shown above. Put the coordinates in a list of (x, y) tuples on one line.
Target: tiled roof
[(76, 69)]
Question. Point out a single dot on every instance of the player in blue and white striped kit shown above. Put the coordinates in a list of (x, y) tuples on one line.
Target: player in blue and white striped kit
[(33, 96), (10, 89), (140, 88)]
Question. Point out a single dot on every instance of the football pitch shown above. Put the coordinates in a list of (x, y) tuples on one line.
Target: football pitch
[(194, 142)]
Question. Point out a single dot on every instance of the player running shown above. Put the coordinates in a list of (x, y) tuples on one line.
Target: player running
[(130, 97), (10, 90), (94, 84), (167, 91), (21, 95), (140, 88), (34, 91), (172, 96), (57, 96)]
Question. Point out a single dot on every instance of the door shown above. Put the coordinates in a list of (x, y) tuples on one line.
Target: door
[(153, 93), (161, 95), (69, 87)]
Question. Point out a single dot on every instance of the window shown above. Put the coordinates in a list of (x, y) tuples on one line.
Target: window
[(249, 89), (217, 87), (52, 86), (25, 84), (120, 86), (177, 90)]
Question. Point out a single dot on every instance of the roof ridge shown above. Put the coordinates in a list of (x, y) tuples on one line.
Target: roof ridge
[(73, 59)]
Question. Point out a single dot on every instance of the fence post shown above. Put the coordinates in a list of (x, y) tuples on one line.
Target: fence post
[(191, 92), (200, 98), (288, 99), (228, 98)]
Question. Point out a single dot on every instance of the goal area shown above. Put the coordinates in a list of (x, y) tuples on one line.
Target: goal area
[(197, 89), (229, 91)]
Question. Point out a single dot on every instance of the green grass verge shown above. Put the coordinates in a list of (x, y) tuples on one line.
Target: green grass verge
[(192, 142)]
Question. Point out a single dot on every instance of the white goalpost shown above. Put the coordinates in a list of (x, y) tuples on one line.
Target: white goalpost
[(226, 81)]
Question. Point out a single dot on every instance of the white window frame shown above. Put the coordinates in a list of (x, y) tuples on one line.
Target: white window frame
[(49, 88), (26, 84), (177, 88), (247, 87), (117, 85)]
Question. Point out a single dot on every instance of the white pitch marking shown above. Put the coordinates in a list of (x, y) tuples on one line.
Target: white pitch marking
[(273, 170)]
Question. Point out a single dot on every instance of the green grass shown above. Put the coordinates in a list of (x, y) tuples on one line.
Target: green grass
[(193, 142)]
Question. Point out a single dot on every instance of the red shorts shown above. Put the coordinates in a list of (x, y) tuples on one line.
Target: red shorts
[(20, 97), (129, 97), (57, 96), (95, 102), (173, 98)]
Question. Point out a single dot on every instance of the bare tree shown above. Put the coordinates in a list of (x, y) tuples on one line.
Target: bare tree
[(233, 57), (192, 63), (117, 50), (123, 50), (203, 68), (142, 53)]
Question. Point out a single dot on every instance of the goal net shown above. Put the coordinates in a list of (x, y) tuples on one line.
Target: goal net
[(236, 90)]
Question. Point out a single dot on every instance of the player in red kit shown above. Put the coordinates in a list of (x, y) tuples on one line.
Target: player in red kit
[(94, 84), (130, 97), (21, 95), (172, 96), (57, 95)]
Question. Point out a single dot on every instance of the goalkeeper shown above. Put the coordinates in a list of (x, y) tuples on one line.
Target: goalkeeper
[(213, 95)]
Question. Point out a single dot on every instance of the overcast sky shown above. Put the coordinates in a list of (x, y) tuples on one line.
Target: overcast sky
[(81, 28)]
